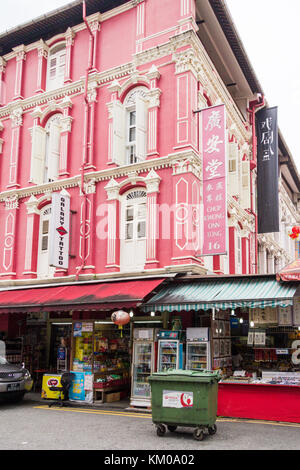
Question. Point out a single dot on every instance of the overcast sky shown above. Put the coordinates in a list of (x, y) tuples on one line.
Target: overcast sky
[(269, 30)]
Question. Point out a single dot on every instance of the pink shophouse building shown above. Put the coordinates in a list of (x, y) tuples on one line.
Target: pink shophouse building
[(101, 161), (103, 111)]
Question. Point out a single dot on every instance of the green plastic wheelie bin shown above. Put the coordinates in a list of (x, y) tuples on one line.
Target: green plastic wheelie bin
[(185, 398)]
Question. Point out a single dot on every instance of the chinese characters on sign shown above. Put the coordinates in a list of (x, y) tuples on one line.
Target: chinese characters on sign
[(267, 138), (213, 139), (267, 170)]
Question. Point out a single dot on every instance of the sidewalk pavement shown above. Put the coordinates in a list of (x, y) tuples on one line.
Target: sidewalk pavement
[(118, 405)]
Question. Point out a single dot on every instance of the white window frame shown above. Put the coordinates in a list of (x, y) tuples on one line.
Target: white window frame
[(136, 101), (131, 156), (134, 200), (52, 148), (45, 216), (58, 53)]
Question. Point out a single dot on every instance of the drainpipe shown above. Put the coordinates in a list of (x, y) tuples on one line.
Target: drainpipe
[(86, 139), (253, 107)]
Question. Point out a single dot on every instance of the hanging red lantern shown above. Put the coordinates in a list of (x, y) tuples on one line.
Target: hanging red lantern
[(120, 317), (294, 234)]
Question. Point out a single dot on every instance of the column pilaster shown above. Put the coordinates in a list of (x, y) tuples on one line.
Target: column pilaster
[(113, 236), (152, 225), (20, 59), (42, 51)]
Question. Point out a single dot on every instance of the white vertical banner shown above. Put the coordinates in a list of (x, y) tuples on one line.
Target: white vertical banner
[(60, 230)]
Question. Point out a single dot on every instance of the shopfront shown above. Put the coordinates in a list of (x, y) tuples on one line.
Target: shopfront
[(69, 328), (254, 340)]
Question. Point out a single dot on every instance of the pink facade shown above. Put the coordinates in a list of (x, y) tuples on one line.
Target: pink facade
[(138, 207)]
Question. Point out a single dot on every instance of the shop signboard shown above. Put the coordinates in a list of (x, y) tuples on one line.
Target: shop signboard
[(262, 316), (259, 338), (60, 230), (87, 327), (267, 170), (285, 316), (214, 145), (282, 352), (296, 312), (250, 340), (234, 322)]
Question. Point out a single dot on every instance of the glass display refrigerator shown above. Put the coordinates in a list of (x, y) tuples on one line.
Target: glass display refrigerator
[(170, 350), (144, 355), (197, 349)]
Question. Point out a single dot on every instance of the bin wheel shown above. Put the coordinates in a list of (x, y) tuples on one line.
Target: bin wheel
[(198, 434), (160, 430), (212, 429), (172, 428)]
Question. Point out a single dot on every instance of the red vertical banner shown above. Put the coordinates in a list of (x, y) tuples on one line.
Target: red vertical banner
[(213, 143)]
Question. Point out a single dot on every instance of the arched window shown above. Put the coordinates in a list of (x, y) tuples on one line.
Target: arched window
[(56, 67), (43, 268), (52, 153), (136, 111), (133, 230), (130, 122)]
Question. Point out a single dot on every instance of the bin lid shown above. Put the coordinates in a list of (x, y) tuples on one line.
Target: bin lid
[(181, 375)]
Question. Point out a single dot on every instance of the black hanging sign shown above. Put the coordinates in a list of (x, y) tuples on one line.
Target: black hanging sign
[(267, 170)]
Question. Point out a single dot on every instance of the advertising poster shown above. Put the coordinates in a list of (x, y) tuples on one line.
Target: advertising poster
[(77, 329), (78, 390)]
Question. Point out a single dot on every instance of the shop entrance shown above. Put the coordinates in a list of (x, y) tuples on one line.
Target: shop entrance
[(103, 349), (60, 346)]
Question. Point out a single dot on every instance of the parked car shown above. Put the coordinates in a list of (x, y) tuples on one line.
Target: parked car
[(15, 381)]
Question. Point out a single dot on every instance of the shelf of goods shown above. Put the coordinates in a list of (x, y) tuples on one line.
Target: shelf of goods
[(111, 367)]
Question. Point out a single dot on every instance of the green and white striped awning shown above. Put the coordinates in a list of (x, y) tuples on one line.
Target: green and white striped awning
[(226, 293)]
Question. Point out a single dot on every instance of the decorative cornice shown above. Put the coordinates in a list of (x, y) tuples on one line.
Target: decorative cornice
[(43, 49), (98, 176), (238, 214), (152, 181), (69, 37), (153, 73), (16, 116), (2, 65), (11, 202), (20, 52)]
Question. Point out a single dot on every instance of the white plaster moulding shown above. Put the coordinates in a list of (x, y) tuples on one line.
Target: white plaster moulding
[(98, 176), (169, 48)]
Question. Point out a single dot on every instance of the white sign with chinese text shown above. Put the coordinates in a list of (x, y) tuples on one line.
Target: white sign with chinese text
[(285, 316), (296, 311)]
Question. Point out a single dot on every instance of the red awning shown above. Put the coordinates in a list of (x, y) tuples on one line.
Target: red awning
[(102, 296), (291, 272)]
